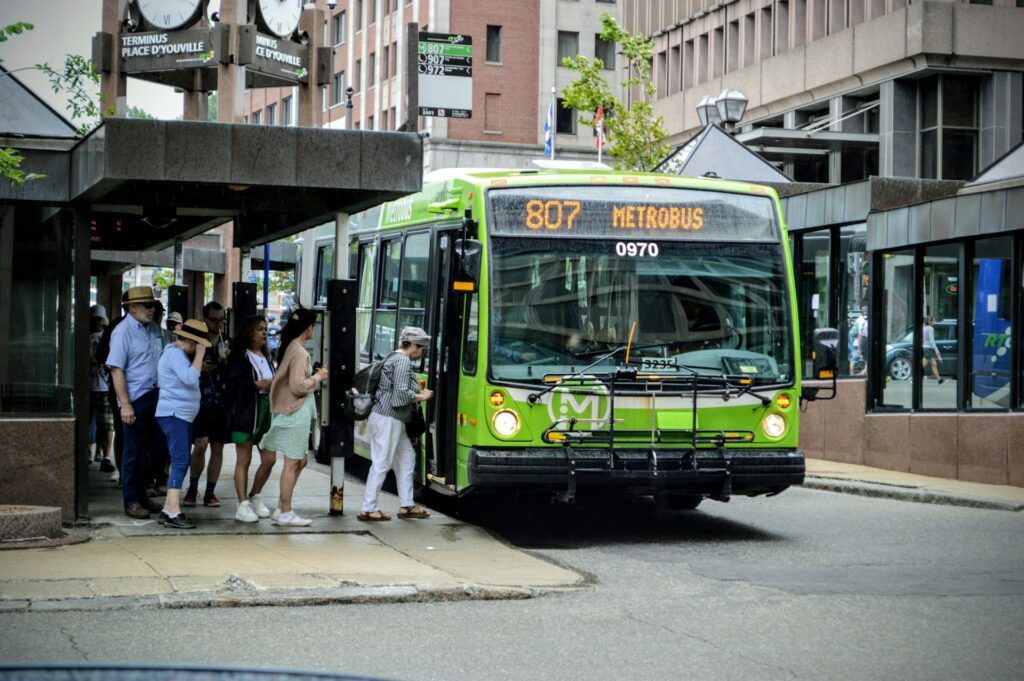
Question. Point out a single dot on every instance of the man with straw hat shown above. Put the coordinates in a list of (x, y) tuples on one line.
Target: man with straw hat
[(133, 362), (178, 375)]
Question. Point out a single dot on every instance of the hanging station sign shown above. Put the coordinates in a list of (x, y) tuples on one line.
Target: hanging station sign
[(169, 50), (445, 66), (269, 58)]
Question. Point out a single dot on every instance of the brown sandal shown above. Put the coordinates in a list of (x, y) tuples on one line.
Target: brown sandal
[(372, 516), (412, 512)]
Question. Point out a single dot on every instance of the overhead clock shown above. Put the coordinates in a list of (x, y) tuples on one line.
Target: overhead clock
[(167, 15), (280, 17)]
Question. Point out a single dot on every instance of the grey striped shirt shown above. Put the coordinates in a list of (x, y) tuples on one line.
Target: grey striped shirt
[(397, 389)]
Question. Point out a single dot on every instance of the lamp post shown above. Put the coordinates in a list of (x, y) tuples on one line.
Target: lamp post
[(731, 105), (707, 111)]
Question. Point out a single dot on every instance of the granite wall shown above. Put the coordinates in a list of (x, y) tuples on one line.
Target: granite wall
[(986, 448), (38, 463)]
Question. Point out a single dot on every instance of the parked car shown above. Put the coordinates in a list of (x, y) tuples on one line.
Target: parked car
[(899, 360)]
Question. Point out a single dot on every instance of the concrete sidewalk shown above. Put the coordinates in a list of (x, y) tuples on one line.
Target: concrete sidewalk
[(877, 482), (137, 563)]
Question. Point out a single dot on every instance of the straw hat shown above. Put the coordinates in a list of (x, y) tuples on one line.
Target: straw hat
[(194, 330), (139, 294)]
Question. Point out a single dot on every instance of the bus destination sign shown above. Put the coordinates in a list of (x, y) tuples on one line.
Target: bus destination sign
[(633, 212)]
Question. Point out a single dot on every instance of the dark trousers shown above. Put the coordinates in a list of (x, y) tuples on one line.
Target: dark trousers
[(140, 438)]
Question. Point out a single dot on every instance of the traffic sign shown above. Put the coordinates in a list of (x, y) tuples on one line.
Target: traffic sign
[(445, 66)]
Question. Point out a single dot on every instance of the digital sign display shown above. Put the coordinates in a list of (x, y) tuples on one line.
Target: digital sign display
[(635, 212)]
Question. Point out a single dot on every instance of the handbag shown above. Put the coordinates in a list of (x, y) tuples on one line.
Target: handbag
[(417, 425)]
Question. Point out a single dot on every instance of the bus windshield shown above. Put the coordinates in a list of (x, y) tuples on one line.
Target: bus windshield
[(559, 304)]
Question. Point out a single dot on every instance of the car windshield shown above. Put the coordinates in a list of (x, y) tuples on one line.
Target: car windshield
[(557, 305)]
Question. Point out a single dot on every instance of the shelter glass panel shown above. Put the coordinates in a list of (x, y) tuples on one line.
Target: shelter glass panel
[(939, 330), (814, 287), (392, 268), (897, 308), (853, 297), (367, 282), (991, 323)]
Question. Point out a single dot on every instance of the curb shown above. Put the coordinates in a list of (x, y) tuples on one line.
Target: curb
[(346, 595), (918, 495)]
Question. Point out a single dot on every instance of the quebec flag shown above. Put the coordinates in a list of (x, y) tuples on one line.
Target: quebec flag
[(549, 130)]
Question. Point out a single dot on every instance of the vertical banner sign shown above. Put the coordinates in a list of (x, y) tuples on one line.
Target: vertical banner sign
[(445, 75)]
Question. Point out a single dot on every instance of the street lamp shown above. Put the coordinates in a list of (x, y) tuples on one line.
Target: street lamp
[(731, 105), (707, 111)]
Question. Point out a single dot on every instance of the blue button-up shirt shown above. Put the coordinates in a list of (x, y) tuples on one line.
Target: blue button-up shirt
[(132, 349)]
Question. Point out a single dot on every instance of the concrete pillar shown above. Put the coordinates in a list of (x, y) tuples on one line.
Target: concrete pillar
[(1000, 124), (231, 77), (222, 282), (310, 103), (114, 85), (897, 137)]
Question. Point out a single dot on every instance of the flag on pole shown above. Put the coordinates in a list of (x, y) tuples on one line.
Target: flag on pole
[(549, 128), (599, 129)]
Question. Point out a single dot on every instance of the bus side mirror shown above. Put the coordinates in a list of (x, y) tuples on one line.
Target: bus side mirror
[(825, 362), (467, 265)]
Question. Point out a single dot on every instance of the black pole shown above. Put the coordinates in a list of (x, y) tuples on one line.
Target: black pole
[(412, 77)]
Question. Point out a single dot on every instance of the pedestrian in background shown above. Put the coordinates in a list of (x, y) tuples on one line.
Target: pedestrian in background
[(250, 373), (397, 396), (211, 425), (102, 351), (133, 370), (292, 408), (930, 351), (178, 405), (101, 415)]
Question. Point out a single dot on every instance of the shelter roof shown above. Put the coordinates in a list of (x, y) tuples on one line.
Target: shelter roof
[(715, 153), (24, 114)]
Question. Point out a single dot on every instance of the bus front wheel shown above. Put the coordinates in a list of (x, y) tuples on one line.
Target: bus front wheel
[(679, 501)]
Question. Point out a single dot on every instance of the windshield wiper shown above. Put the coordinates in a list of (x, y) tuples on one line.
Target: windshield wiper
[(533, 397)]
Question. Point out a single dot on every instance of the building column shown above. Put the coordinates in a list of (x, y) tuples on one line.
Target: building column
[(897, 136), (1000, 124)]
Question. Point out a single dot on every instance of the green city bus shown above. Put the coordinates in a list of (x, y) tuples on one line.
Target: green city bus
[(591, 329)]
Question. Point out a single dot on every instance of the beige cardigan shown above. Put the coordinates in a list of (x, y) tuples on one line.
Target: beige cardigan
[(292, 382)]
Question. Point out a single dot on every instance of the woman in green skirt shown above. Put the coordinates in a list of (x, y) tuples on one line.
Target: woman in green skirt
[(250, 373), (291, 405)]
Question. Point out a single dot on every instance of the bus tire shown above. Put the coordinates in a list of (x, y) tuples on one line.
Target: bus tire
[(684, 502)]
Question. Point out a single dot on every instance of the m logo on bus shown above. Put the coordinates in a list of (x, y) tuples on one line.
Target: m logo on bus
[(590, 404)]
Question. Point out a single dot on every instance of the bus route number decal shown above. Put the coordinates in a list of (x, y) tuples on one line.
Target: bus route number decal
[(633, 249), (551, 214)]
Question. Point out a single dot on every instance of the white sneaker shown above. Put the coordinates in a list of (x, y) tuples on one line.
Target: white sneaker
[(259, 507), (245, 514), (275, 515), (293, 520)]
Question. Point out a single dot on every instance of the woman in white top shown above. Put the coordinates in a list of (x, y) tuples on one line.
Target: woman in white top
[(249, 374), (930, 350)]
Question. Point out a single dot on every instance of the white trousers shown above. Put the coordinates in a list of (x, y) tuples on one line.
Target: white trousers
[(389, 448)]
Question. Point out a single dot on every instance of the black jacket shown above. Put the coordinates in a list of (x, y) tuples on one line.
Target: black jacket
[(242, 392)]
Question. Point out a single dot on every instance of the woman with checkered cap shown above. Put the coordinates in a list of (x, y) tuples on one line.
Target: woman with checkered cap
[(397, 396)]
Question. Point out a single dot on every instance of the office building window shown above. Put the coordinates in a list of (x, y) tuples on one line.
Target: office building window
[(568, 45), (384, 63), (257, 117), (338, 24), (371, 18), (371, 71), (605, 51), (948, 107), (358, 74), (494, 44), (369, 124), (338, 89), (394, 58), (359, 15), (565, 119), (272, 114), (286, 110)]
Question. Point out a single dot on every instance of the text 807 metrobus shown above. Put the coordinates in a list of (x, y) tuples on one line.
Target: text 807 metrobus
[(590, 329)]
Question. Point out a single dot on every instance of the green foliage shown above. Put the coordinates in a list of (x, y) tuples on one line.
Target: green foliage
[(139, 112), (163, 278), (10, 168), (211, 107), (17, 28), (80, 81), (636, 137)]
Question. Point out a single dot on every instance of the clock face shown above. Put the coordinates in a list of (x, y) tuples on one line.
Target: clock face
[(281, 17), (169, 14)]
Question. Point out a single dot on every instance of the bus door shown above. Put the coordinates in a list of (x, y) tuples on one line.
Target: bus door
[(443, 362)]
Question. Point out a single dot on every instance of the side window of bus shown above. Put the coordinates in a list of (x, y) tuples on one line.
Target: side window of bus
[(324, 272), (366, 271), (471, 341), (415, 266), (384, 320)]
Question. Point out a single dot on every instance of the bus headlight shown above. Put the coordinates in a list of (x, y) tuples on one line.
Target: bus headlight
[(506, 423), (774, 425)]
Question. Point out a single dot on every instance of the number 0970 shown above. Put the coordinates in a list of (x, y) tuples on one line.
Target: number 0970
[(633, 249)]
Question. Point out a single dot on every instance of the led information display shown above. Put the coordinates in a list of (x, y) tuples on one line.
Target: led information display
[(631, 212)]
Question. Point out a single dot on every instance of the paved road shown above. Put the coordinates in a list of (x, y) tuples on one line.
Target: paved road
[(810, 584)]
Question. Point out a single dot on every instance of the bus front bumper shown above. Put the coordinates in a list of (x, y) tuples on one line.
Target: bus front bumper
[(713, 472)]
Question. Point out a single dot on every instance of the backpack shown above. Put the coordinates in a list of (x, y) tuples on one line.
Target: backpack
[(364, 389)]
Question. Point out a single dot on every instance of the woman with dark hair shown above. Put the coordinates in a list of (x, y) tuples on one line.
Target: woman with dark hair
[(291, 405), (250, 373)]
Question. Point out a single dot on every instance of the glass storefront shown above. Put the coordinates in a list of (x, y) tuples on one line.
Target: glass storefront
[(936, 372), (897, 328), (991, 314), (36, 312)]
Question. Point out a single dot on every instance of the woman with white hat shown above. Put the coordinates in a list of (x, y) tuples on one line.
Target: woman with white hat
[(397, 396), (178, 376)]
